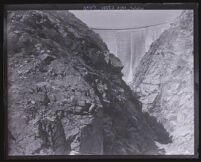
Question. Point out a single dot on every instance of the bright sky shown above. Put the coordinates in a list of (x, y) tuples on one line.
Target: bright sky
[(124, 18)]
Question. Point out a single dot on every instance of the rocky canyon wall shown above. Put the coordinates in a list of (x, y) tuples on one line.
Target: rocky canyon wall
[(165, 85)]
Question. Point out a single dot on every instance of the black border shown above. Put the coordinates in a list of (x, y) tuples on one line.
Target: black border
[(77, 4)]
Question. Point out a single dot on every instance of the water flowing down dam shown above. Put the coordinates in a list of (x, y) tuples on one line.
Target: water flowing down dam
[(130, 44)]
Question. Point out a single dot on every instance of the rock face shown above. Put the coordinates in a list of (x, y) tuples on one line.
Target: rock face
[(66, 94), (164, 83)]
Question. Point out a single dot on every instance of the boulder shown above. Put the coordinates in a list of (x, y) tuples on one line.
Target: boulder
[(46, 58)]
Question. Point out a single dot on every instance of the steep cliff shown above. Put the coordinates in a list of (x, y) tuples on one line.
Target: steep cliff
[(66, 94), (165, 85)]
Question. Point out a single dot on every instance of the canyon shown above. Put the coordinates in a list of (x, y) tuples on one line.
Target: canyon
[(77, 91)]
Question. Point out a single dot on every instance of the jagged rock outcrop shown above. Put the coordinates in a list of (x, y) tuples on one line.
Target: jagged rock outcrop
[(66, 94), (165, 85)]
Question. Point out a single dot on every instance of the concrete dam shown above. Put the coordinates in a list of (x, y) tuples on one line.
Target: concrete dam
[(130, 45)]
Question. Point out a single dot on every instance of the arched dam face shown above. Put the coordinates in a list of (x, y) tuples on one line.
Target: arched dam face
[(130, 45)]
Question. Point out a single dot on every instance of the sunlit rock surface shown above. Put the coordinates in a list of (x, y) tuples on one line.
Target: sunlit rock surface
[(66, 95), (165, 85)]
